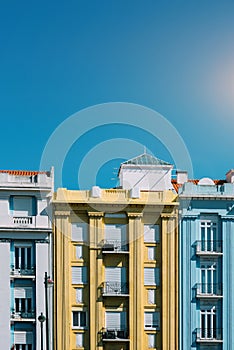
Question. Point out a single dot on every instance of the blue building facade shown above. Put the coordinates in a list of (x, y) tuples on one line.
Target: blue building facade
[(206, 264)]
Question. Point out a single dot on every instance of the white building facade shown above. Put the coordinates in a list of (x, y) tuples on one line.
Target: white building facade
[(26, 254)]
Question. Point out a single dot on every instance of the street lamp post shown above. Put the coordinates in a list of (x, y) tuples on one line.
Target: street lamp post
[(47, 282), (41, 319)]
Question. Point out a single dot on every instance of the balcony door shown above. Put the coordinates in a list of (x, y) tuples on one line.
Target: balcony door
[(209, 278), (208, 235), (23, 256), (208, 323)]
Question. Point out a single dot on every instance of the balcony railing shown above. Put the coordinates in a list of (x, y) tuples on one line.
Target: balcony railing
[(114, 246), (18, 315), (209, 247), (115, 334), (22, 220), (209, 334), (114, 288), (209, 290), (22, 271)]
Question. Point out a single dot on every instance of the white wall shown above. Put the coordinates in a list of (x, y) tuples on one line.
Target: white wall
[(5, 296)]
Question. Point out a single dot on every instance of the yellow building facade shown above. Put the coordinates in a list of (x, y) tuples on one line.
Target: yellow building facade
[(115, 270)]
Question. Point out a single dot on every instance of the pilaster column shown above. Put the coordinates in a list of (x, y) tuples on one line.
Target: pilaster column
[(62, 279), (95, 277), (136, 281), (169, 280)]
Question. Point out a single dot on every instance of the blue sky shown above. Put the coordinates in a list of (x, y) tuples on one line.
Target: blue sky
[(60, 57)]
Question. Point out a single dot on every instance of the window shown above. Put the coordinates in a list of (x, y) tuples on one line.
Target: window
[(151, 296), (79, 232), (116, 320), (23, 256), (78, 319), (209, 279), (151, 341), (115, 274), (152, 320), (115, 233), (208, 235), (151, 276), (151, 253), (23, 206), (79, 253), (23, 340), (79, 295), (208, 323), (23, 300), (79, 274), (79, 340), (151, 233)]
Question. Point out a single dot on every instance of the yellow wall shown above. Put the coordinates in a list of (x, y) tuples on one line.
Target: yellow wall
[(78, 206)]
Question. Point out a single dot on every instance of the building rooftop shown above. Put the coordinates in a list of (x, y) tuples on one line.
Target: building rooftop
[(146, 159)]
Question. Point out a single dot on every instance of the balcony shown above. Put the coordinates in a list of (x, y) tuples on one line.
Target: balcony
[(23, 315), (209, 335), (115, 289), (209, 248), (23, 272), (115, 335), (114, 246), (209, 290), (23, 221)]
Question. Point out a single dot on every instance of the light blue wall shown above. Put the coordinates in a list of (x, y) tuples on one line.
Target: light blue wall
[(196, 200)]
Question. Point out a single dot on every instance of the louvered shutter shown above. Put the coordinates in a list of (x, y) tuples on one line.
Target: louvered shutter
[(151, 253), (79, 295), (151, 233), (151, 296), (79, 253), (115, 274), (115, 320), (79, 340), (79, 232), (22, 293), (151, 276), (151, 341), (79, 274), (23, 337), (115, 233), (152, 320)]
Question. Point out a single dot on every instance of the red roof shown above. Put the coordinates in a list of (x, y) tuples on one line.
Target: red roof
[(22, 172), (177, 186)]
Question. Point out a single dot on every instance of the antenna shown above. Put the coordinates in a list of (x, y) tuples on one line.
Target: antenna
[(144, 150)]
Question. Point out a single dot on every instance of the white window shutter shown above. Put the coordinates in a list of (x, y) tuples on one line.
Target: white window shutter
[(79, 295), (151, 276), (115, 274), (23, 292), (151, 296), (79, 340), (115, 320), (79, 254), (79, 274), (151, 233), (151, 253), (23, 337), (79, 232), (151, 341), (115, 233)]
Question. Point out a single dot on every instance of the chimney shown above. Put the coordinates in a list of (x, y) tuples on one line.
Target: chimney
[(230, 176), (181, 176)]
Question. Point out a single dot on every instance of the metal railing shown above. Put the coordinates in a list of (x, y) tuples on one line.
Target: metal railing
[(23, 271), (209, 334), (209, 289), (114, 246), (115, 334), (23, 314), (209, 247), (114, 288)]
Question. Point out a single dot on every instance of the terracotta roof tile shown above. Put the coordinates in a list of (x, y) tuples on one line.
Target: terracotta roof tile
[(22, 172), (195, 181)]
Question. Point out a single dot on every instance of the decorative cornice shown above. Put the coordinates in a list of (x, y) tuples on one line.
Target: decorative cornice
[(95, 214), (62, 213)]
